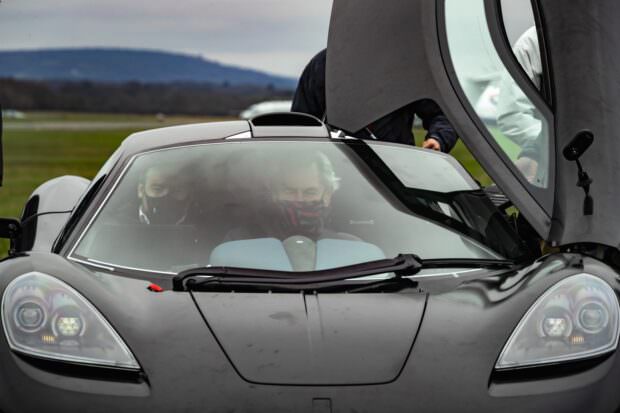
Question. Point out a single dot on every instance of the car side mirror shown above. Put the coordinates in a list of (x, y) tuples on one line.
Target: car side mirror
[(10, 228), (572, 152), (578, 145)]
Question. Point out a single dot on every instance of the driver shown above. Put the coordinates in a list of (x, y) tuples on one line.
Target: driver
[(300, 189), (164, 197)]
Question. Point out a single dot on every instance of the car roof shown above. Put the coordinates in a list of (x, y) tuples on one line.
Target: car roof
[(183, 134), (270, 125)]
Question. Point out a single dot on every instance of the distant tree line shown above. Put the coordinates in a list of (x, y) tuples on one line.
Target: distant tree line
[(134, 97)]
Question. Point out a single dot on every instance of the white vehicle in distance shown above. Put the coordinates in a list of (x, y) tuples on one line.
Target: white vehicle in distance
[(270, 106), (13, 114)]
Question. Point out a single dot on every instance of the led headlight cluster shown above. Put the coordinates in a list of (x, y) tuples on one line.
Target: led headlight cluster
[(575, 319), (44, 317)]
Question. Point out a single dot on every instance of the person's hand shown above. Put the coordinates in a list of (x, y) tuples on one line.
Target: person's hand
[(432, 143)]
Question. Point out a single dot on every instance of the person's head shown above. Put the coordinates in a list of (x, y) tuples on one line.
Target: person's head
[(304, 177), (164, 195), (302, 186)]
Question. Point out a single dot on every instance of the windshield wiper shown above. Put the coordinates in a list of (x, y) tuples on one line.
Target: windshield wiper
[(403, 265), (195, 278), (467, 263)]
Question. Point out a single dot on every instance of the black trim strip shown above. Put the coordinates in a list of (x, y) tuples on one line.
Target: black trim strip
[(548, 91), (84, 371)]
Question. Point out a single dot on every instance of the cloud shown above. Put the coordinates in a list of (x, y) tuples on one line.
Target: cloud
[(275, 35)]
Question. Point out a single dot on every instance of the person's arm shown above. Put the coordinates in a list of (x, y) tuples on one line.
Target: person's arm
[(437, 126), (517, 117)]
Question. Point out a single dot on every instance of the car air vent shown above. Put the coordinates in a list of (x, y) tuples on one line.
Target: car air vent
[(286, 119), (288, 124), (499, 199)]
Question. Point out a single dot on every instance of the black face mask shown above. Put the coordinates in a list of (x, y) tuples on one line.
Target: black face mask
[(303, 218), (165, 210)]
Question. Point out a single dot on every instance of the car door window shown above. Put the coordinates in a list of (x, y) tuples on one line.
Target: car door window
[(514, 121), (522, 35)]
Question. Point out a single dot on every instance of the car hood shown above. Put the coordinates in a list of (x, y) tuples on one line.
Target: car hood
[(397, 50), (318, 339), (467, 320)]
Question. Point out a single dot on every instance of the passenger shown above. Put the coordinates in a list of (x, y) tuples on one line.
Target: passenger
[(164, 197), (302, 189), (394, 127)]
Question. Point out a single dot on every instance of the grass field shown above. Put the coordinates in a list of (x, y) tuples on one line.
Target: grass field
[(47, 145)]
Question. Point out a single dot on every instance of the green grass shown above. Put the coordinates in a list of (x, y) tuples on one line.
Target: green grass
[(33, 156), (462, 154)]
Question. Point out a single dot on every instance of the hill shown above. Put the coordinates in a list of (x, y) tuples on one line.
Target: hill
[(129, 65)]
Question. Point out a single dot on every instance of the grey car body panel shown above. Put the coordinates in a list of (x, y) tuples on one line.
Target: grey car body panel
[(398, 51), (582, 39), (58, 194), (314, 339), (183, 134), (466, 323)]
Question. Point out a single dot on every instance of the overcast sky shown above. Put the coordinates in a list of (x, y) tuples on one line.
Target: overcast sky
[(278, 36)]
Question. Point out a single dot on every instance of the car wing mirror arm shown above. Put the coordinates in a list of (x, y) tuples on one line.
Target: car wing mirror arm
[(584, 181), (572, 152)]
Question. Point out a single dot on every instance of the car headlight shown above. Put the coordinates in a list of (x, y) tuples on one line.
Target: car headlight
[(44, 317), (575, 319)]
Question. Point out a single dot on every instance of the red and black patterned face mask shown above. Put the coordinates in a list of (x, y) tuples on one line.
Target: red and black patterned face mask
[(303, 217)]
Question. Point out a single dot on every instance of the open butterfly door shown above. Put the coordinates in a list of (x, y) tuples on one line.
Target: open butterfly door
[(384, 55)]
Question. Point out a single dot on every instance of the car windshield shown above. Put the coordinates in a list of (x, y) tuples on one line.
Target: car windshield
[(292, 206)]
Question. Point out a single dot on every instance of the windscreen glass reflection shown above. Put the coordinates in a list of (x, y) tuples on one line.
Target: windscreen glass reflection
[(292, 206)]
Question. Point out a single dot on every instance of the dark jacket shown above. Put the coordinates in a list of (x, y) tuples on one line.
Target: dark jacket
[(394, 127)]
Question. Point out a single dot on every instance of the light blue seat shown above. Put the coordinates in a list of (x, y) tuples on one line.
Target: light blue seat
[(269, 253), (261, 253)]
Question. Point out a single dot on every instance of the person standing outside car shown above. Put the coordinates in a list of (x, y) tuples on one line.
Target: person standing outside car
[(394, 127), (517, 117)]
